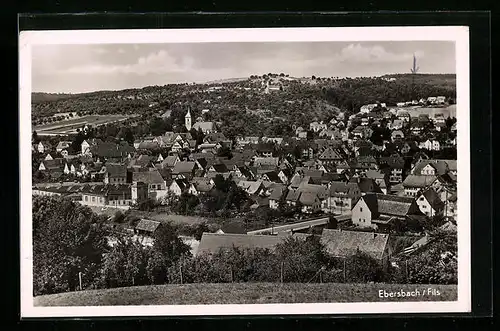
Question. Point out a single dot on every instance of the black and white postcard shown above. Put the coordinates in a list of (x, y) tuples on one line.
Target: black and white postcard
[(244, 171)]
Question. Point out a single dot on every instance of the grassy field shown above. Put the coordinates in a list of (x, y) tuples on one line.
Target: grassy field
[(243, 293), (166, 217)]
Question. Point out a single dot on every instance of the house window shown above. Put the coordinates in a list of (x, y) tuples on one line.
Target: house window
[(93, 199), (361, 209), (86, 198)]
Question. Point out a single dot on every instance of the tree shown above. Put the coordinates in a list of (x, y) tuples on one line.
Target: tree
[(224, 151), (67, 239), (363, 268), (34, 138), (302, 258), (169, 244), (125, 264), (126, 134), (119, 217), (186, 203)]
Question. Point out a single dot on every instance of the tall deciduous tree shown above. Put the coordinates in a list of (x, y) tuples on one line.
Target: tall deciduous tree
[(67, 239)]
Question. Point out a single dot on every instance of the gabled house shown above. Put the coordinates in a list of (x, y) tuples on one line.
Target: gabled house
[(414, 184), (395, 164), (156, 185), (114, 195), (277, 193), (416, 127), (381, 179), (253, 188), (54, 165), (178, 186), (218, 168), (211, 243), (70, 168), (200, 185), (434, 167), (44, 147), (109, 150), (88, 144), (362, 132), (310, 202), (145, 230), (170, 161), (271, 162), (184, 169), (330, 156), (114, 173), (285, 175), (430, 145), (271, 176), (141, 162), (403, 115), (379, 210), (397, 124), (317, 127), (397, 135), (439, 119), (341, 197), (63, 145), (206, 127)]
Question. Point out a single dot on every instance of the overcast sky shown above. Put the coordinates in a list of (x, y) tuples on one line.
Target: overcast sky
[(93, 67)]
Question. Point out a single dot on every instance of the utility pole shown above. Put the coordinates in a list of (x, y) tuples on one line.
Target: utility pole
[(80, 279), (345, 276)]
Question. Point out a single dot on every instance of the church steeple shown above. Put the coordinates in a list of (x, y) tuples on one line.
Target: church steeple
[(187, 120)]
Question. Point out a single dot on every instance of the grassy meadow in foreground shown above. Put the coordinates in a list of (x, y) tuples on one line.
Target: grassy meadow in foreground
[(244, 293)]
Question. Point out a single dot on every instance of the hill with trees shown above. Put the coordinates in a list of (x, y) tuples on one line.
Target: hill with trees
[(243, 106)]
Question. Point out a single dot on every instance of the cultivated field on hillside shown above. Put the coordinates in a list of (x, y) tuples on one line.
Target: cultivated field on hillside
[(245, 293)]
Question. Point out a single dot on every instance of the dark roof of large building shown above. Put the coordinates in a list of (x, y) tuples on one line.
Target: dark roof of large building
[(394, 162), (308, 198), (385, 204), (277, 191), (202, 184), (53, 164), (149, 177), (115, 170), (433, 198), (418, 181), (441, 166), (330, 154), (110, 149), (169, 161), (212, 242), (183, 167), (220, 167), (341, 189), (341, 243)]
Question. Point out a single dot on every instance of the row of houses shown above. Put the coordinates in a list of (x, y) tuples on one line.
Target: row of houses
[(439, 100)]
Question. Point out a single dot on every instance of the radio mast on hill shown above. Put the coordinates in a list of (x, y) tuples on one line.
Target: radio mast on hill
[(414, 71)]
